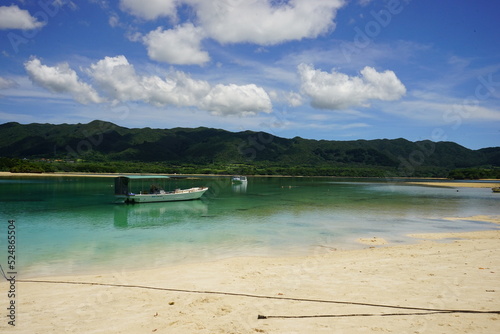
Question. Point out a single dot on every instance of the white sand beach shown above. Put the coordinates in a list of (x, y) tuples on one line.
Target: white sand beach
[(462, 272), (450, 184)]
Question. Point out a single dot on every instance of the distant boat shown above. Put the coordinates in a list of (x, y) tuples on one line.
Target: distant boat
[(496, 189), (155, 193), (239, 179)]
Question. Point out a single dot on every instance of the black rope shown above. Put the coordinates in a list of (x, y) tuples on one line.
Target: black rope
[(427, 310), (3, 273), (346, 315), (370, 314)]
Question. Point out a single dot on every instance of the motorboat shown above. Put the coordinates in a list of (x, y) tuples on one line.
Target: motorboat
[(151, 190)]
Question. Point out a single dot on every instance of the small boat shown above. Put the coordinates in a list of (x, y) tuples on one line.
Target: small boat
[(239, 179), (124, 194), (496, 189)]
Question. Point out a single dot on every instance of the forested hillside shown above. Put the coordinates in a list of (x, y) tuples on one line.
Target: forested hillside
[(113, 148)]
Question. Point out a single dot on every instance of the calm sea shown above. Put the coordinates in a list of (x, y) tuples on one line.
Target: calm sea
[(71, 225)]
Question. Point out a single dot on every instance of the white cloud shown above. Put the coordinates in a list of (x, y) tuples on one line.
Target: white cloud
[(264, 22), (15, 18), (118, 78), (114, 20), (150, 9), (446, 111), (233, 99), (339, 91), (61, 79), (292, 99), (6, 83), (180, 45)]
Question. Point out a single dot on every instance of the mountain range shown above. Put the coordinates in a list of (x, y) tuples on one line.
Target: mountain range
[(105, 141)]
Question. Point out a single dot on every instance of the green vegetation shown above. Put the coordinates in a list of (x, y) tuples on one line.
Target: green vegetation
[(474, 173), (102, 147)]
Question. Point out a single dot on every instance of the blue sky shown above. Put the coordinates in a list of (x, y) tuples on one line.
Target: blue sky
[(319, 69)]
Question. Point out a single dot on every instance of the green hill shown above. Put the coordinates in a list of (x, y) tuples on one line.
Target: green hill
[(100, 141)]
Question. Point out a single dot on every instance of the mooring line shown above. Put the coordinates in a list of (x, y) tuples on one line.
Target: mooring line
[(370, 314), (346, 315), (427, 310)]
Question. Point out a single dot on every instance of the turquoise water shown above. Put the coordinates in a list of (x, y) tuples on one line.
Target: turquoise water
[(70, 225)]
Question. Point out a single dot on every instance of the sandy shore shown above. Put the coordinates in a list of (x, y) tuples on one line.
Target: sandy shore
[(451, 184), (456, 184), (456, 274), (9, 174)]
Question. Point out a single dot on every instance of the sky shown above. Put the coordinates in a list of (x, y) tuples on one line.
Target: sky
[(317, 69)]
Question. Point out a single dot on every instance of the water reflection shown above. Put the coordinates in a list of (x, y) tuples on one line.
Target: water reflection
[(157, 214), (239, 188)]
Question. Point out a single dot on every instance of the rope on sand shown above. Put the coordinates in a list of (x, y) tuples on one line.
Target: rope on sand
[(370, 314), (425, 310)]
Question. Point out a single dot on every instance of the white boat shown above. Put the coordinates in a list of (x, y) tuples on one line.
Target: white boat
[(239, 179), (124, 194)]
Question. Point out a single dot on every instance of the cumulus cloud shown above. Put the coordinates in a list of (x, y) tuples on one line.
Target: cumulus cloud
[(339, 91), (265, 22), (61, 79), (118, 78), (248, 99), (150, 9), (262, 22), (13, 17), (118, 81), (180, 45)]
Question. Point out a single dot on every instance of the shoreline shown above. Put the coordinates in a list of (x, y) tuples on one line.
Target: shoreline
[(456, 184), (461, 272), (434, 182)]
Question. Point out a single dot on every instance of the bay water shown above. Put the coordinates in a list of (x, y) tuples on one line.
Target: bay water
[(71, 225)]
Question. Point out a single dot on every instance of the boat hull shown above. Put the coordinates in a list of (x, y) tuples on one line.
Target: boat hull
[(178, 195)]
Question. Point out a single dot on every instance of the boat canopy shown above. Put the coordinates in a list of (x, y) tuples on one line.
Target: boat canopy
[(122, 182), (139, 177)]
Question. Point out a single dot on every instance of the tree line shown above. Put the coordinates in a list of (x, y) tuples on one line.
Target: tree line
[(16, 165)]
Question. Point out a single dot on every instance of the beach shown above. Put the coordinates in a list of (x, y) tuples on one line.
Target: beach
[(334, 292), (429, 183), (9, 174), (450, 184)]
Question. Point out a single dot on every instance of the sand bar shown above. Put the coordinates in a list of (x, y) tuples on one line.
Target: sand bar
[(459, 274), (9, 174), (484, 218), (456, 184), (471, 184)]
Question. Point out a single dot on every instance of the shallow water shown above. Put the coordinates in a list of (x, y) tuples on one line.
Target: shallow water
[(70, 225)]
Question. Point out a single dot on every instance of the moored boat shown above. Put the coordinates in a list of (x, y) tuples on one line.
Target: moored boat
[(496, 189), (156, 193), (239, 179)]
